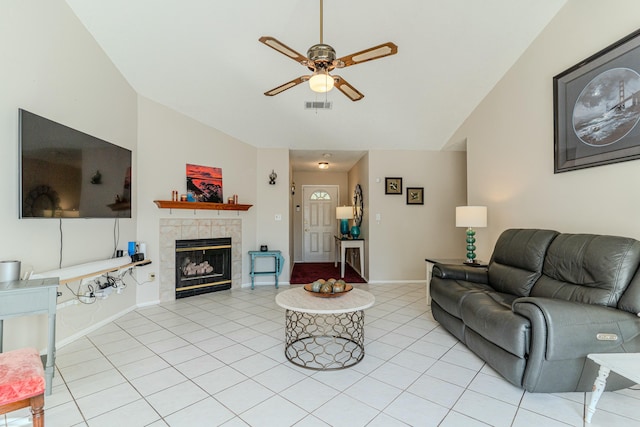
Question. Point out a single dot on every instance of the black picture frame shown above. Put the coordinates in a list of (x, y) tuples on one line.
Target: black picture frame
[(597, 108), (393, 186), (415, 195)]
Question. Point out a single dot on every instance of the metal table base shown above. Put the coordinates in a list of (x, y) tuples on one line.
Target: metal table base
[(324, 341)]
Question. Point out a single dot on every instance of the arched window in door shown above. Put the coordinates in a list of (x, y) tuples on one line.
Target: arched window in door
[(320, 195)]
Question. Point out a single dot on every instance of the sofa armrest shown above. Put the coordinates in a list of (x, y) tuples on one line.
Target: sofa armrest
[(566, 330), (461, 272)]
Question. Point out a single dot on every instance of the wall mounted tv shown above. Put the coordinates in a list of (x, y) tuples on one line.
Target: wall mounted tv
[(65, 173)]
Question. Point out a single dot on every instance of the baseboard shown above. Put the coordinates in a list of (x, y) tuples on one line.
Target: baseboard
[(98, 325), (258, 284), (93, 327), (148, 304), (382, 282)]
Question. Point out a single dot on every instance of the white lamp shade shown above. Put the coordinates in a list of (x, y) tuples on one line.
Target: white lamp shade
[(344, 212), (321, 82), (471, 216)]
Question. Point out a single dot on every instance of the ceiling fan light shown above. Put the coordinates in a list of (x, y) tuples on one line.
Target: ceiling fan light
[(321, 82)]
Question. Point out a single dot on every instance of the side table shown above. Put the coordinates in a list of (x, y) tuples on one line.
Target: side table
[(433, 261), (30, 297), (624, 364), (277, 269)]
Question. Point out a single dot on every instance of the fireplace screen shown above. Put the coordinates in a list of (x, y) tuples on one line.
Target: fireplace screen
[(202, 265)]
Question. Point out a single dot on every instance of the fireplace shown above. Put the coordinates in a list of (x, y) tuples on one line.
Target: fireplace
[(202, 266)]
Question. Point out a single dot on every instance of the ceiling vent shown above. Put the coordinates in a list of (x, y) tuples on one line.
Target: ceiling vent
[(318, 105)]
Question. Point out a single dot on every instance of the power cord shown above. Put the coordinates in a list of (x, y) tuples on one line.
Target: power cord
[(60, 258), (110, 282), (91, 297), (116, 237), (130, 271)]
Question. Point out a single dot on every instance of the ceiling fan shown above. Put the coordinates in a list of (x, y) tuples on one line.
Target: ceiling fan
[(321, 59)]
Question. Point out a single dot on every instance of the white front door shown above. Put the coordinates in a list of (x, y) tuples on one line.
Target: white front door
[(319, 222)]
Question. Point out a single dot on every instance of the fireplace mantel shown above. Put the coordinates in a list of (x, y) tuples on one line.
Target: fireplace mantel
[(169, 204)]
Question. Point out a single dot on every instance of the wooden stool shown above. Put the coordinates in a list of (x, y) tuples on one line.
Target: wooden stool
[(22, 383)]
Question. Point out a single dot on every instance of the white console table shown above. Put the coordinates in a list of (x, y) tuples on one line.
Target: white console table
[(341, 248), (30, 297), (625, 364)]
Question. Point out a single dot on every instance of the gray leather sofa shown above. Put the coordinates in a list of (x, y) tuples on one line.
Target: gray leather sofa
[(544, 302)]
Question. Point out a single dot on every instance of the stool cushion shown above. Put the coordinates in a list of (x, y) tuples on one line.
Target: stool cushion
[(21, 375)]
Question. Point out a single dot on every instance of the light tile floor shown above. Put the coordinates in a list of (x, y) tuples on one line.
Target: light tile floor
[(218, 359)]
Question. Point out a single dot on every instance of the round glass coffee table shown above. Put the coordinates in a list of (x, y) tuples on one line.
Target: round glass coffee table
[(324, 333)]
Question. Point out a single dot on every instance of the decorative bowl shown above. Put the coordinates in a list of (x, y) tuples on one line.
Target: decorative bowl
[(347, 288)]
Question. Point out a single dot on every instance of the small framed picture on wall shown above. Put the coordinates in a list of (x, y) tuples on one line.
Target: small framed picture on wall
[(393, 186), (415, 195)]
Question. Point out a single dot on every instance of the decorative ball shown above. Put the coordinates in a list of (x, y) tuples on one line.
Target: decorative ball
[(338, 287), (326, 288)]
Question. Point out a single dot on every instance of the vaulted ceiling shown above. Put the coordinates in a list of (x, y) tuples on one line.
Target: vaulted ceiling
[(202, 58)]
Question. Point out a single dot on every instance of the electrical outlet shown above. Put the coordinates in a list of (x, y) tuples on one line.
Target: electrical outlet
[(152, 277)]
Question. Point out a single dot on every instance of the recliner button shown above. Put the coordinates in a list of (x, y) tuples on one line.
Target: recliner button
[(607, 337)]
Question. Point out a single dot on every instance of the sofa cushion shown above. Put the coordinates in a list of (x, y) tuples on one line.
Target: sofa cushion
[(490, 316), (449, 294), (518, 258), (587, 268)]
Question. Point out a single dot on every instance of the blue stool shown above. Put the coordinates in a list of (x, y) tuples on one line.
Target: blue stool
[(278, 261)]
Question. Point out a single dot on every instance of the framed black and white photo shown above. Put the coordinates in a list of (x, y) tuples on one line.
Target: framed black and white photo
[(393, 186), (597, 108), (415, 195)]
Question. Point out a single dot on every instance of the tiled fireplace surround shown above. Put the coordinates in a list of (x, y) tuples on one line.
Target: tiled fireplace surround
[(182, 229)]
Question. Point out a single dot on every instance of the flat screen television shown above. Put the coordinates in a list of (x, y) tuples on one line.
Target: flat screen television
[(65, 173)]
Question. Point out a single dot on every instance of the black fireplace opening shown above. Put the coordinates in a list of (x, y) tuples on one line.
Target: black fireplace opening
[(202, 266)]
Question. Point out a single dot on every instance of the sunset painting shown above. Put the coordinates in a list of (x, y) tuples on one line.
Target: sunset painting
[(205, 183)]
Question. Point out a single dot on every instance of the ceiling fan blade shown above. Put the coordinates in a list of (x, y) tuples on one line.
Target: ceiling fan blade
[(287, 85), (283, 49), (344, 87), (370, 54)]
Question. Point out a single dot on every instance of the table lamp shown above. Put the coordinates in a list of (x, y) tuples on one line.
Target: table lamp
[(471, 216), (344, 214)]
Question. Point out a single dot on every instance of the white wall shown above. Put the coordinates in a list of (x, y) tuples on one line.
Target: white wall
[(359, 174), (510, 137), (272, 200), (407, 234), (167, 141), (52, 67)]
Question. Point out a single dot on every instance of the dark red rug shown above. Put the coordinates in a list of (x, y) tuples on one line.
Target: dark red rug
[(307, 272)]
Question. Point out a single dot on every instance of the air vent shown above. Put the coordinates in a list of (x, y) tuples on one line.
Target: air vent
[(318, 105)]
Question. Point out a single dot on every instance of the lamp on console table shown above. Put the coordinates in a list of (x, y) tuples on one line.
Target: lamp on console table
[(471, 216), (344, 214)]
